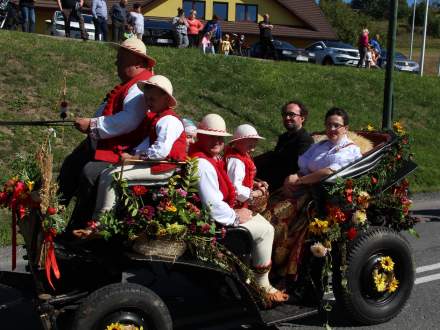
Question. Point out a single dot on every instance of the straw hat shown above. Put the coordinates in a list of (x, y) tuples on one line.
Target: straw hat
[(136, 46), (212, 124), (161, 82), (245, 131)]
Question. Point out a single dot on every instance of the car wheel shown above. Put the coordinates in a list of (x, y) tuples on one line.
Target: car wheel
[(360, 297), (123, 303), (327, 61)]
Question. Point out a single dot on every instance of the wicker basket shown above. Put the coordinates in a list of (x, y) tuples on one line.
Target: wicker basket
[(162, 248)]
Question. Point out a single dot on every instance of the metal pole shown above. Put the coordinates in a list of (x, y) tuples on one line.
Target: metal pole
[(412, 29), (422, 55), (387, 117)]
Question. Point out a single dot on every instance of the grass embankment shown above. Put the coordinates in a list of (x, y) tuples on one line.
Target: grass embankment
[(240, 89)]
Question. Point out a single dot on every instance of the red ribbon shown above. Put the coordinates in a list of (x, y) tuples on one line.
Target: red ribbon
[(51, 262), (14, 239)]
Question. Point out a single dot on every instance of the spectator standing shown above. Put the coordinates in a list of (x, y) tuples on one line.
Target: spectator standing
[(27, 9), (363, 48), (266, 39), (207, 45), (226, 46), (100, 16), (137, 20), (118, 14), (72, 9), (214, 27), (194, 28), (181, 25)]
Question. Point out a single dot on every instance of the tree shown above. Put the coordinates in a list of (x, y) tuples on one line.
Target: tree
[(379, 9)]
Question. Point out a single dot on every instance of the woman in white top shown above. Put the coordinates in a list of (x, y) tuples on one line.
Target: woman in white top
[(319, 161), (137, 20)]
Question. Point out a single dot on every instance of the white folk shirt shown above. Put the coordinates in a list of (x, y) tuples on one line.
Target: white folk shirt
[(328, 155), (168, 130), (237, 172), (123, 122), (211, 196), (138, 20)]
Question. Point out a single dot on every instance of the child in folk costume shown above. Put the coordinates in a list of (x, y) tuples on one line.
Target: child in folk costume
[(240, 166), (190, 131), (218, 194)]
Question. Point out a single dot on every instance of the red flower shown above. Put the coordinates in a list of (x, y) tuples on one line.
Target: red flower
[(92, 224), (195, 198), (213, 241), (223, 232), (139, 190), (192, 228), (337, 215), (351, 233), (3, 198), (205, 228), (374, 180), (147, 212), (349, 191), (51, 210), (20, 187)]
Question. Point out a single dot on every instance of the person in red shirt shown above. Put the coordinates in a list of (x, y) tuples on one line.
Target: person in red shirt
[(363, 48), (194, 28)]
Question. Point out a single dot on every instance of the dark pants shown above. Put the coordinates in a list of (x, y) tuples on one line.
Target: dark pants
[(86, 196), (68, 14), (71, 169), (363, 56), (28, 17), (100, 28), (118, 31), (193, 40), (268, 49)]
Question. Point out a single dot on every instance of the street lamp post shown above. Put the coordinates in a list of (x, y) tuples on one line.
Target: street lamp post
[(388, 104), (422, 55), (412, 29)]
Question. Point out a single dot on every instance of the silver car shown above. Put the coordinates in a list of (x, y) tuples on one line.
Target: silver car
[(401, 62), (56, 26), (333, 52)]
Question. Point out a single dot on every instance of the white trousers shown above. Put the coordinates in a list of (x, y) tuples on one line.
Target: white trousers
[(262, 233), (106, 196)]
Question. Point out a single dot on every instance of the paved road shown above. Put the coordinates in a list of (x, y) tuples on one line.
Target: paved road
[(421, 312)]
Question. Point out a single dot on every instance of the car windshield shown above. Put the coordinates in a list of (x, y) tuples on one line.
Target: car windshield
[(338, 44), (283, 45), (162, 25)]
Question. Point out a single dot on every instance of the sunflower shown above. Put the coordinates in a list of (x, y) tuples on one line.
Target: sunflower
[(318, 227), (370, 128), (387, 263), (115, 326), (380, 280), (393, 285), (398, 127)]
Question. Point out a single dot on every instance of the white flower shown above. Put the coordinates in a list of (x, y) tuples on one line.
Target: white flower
[(319, 250), (359, 217)]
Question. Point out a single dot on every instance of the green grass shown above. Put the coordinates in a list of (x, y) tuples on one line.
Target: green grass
[(240, 89)]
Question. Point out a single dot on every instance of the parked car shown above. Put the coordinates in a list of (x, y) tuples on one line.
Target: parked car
[(333, 52), (159, 33), (56, 26), (401, 62), (285, 51)]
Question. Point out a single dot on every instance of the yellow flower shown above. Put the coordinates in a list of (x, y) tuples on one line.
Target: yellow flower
[(30, 185), (170, 207), (318, 227), (387, 263), (114, 326), (398, 127), (359, 217), (380, 280), (393, 285), (370, 128)]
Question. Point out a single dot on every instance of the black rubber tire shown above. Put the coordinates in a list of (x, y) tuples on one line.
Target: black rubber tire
[(116, 302), (357, 299), (327, 61)]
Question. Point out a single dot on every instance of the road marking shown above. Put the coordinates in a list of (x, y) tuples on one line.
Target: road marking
[(428, 278), (427, 268)]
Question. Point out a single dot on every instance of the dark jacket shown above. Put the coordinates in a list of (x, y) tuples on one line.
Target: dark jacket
[(276, 165), (118, 14)]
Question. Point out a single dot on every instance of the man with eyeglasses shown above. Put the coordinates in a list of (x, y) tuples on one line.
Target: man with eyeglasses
[(275, 166)]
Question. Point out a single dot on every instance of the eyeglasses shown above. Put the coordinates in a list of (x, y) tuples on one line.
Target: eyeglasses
[(333, 126), (291, 114)]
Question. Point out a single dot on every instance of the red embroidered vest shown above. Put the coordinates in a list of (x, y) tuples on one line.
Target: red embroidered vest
[(109, 150), (250, 168), (225, 184), (178, 150)]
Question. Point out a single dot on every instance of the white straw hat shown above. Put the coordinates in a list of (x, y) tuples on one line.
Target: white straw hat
[(212, 124), (137, 47), (161, 82), (245, 131)]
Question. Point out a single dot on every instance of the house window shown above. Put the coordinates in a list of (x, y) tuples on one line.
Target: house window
[(246, 13), (221, 10), (198, 6)]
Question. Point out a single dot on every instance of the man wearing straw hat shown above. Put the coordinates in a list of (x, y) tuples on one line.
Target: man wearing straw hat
[(218, 194), (115, 123)]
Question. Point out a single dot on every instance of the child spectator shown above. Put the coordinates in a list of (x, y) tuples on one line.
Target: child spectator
[(207, 45), (240, 166), (190, 130), (137, 20), (226, 46), (370, 57), (129, 32)]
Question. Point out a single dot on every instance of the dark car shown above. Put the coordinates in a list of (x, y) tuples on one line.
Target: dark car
[(285, 51), (401, 62), (159, 33)]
